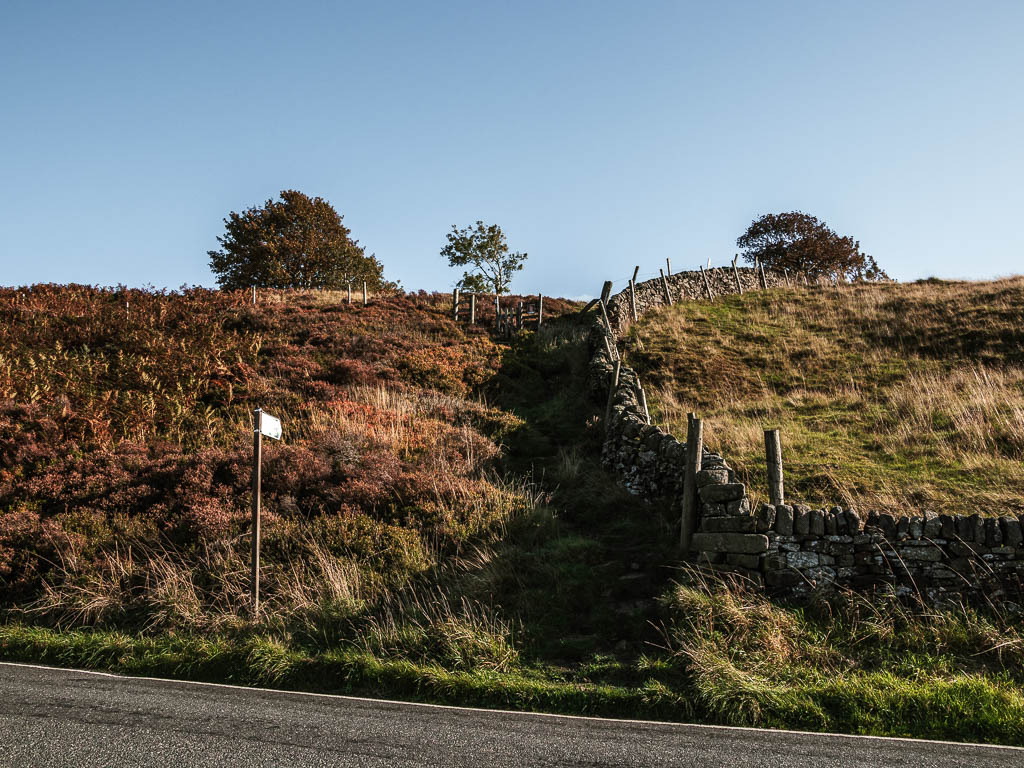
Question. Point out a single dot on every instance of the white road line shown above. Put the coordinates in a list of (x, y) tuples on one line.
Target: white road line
[(743, 729)]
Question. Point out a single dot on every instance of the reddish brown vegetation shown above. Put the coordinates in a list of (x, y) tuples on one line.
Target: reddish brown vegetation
[(125, 421)]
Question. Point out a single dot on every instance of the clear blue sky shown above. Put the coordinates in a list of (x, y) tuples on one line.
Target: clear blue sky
[(597, 134)]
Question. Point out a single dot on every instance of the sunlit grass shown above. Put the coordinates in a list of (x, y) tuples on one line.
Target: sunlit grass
[(888, 396)]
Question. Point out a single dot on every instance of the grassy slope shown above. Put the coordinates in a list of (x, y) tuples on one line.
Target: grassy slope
[(542, 586), (888, 396)]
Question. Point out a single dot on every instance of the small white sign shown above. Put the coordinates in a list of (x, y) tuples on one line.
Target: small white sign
[(270, 426)]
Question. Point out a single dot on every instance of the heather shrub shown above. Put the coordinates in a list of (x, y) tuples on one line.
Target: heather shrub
[(125, 445)]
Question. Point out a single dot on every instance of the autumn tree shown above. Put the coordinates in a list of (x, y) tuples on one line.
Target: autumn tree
[(800, 242), (484, 249), (294, 242)]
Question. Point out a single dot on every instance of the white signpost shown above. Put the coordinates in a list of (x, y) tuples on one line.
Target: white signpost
[(262, 424)]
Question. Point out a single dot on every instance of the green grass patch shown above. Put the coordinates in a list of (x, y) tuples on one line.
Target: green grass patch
[(889, 397)]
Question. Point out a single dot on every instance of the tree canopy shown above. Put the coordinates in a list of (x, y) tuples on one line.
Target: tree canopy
[(800, 242), (484, 249), (294, 242)]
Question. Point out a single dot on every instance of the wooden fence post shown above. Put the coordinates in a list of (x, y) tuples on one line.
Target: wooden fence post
[(636, 271), (707, 284), (455, 305), (540, 310), (694, 449), (643, 402), (611, 390), (350, 293), (764, 280), (608, 348), (607, 325), (736, 274), (773, 458), (668, 266), (632, 299), (364, 293), (664, 285), (472, 309), (606, 291)]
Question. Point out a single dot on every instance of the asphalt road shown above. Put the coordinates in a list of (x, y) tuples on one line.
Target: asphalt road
[(56, 717)]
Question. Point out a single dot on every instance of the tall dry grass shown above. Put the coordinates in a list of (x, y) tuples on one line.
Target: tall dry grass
[(888, 396)]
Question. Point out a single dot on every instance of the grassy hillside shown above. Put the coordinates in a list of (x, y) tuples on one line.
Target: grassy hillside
[(889, 397), (125, 451), (437, 527)]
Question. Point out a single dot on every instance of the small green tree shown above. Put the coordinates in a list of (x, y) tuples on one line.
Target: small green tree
[(800, 242), (296, 242), (484, 250)]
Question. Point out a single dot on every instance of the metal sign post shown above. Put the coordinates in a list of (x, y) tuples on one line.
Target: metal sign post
[(262, 424)]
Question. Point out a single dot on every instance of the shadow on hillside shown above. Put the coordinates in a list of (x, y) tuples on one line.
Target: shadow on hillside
[(588, 585)]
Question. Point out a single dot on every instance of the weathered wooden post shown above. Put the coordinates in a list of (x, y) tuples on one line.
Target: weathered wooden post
[(707, 284), (643, 402), (608, 348), (785, 274), (611, 390), (257, 471), (364, 293), (773, 458), (350, 293), (636, 272), (664, 286), (694, 449), (472, 309), (764, 280), (606, 291), (668, 266), (540, 310), (604, 315), (455, 305), (632, 299), (736, 274)]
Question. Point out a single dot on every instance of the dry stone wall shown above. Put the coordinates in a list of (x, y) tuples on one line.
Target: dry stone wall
[(789, 550)]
